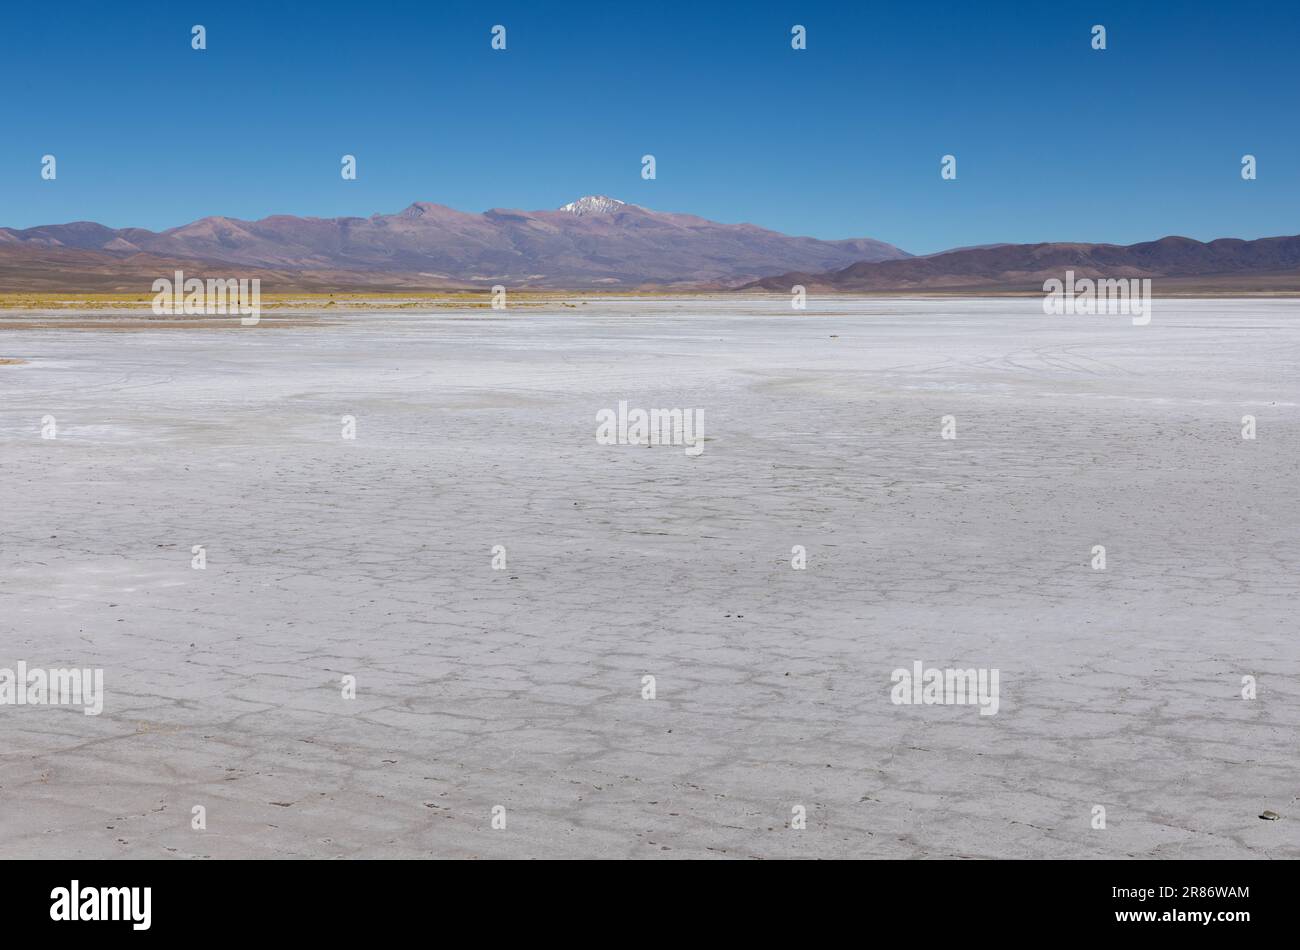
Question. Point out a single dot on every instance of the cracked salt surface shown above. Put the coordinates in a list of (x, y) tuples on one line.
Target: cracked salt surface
[(476, 687)]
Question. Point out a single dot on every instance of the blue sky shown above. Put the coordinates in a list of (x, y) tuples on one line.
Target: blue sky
[(1054, 141)]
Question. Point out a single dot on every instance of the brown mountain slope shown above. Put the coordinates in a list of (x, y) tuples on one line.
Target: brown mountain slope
[(69, 270), (1181, 264)]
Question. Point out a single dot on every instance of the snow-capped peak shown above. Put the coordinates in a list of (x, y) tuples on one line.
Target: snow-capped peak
[(593, 204)]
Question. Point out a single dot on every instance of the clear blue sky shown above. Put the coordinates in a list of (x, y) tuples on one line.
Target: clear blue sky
[(1054, 140)]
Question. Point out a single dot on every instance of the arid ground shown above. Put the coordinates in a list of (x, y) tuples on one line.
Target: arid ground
[(523, 687)]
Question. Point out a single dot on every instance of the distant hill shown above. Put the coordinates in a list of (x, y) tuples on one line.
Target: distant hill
[(1181, 265)]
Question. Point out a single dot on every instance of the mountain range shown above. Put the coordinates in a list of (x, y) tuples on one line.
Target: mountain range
[(1175, 264), (593, 242), (598, 242)]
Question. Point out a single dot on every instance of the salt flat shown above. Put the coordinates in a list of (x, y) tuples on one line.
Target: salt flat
[(523, 688)]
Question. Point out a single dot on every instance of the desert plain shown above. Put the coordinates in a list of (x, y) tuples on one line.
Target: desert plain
[(513, 682)]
